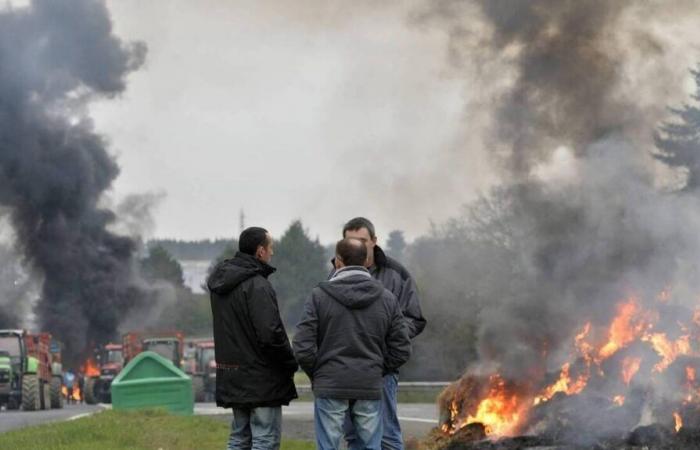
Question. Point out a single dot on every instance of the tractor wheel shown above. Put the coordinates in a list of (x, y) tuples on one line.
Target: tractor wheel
[(44, 400), (198, 388), (89, 394), (56, 394), (47, 395), (31, 394)]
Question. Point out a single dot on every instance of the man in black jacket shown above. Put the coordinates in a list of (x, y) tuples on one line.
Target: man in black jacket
[(399, 282), (351, 333), (255, 364)]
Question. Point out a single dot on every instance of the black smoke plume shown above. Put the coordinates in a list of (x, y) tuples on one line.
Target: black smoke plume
[(55, 57)]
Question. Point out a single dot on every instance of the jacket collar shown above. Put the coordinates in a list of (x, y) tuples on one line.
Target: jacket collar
[(350, 271), (253, 263)]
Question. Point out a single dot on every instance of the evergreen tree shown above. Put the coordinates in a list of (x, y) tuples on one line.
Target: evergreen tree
[(160, 265), (301, 264), (679, 139), (396, 245)]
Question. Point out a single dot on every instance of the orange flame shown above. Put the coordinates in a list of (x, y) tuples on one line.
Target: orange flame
[(77, 395), (630, 366), (563, 384), (500, 410), (667, 349), (679, 421), (91, 369), (626, 327), (619, 400)]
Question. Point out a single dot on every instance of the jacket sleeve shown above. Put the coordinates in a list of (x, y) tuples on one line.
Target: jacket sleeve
[(398, 343), (410, 307), (306, 337), (269, 330)]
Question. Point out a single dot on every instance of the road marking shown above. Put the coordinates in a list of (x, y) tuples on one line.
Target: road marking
[(80, 416), (417, 419)]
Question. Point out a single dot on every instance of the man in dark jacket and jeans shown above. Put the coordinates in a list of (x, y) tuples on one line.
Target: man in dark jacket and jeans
[(399, 282), (351, 333), (254, 360)]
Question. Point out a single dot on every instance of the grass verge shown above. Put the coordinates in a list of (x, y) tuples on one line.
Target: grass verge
[(138, 430)]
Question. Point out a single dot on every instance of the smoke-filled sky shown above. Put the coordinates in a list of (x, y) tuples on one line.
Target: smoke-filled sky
[(326, 110), (319, 111)]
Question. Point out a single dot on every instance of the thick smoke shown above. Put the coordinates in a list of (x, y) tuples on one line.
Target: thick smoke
[(55, 56), (580, 216)]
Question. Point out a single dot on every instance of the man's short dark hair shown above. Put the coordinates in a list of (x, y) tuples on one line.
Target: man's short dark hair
[(357, 223), (251, 238), (351, 251)]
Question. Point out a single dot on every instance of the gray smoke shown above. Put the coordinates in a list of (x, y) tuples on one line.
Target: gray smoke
[(55, 57), (579, 220)]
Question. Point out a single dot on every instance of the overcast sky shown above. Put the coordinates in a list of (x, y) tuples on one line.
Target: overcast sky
[(307, 111)]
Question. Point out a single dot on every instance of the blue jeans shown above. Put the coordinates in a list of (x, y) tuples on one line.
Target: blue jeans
[(256, 429), (392, 438), (329, 416)]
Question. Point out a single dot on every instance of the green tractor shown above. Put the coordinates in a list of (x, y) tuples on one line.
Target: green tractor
[(34, 371), (5, 378)]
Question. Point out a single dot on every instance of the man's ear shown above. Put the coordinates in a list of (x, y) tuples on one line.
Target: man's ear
[(338, 262)]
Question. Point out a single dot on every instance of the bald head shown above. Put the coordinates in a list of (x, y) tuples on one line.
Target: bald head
[(350, 252)]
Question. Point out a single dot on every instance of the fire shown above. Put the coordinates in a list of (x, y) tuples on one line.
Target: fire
[(76, 393), (499, 410), (502, 409), (630, 366), (563, 384), (690, 383), (667, 349), (679, 421), (91, 369), (625, 328)]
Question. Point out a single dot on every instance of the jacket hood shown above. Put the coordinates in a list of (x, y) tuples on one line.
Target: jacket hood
[(354, 291), (229, 273)]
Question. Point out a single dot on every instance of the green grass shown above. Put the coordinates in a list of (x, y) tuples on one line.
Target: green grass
[(141, 430)]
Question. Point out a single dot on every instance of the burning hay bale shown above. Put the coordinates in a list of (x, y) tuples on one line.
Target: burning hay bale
[(632, 382)]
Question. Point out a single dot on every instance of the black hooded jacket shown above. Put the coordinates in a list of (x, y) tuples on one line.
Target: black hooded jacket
[(351, 333), (255, 363)]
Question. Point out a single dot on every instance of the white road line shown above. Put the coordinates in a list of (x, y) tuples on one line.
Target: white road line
[(417, 419), (80, 416)]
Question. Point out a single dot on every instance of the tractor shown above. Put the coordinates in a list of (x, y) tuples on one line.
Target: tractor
[(35, 370), (204, 373), (98, 377), (5, 377), (168, 344)]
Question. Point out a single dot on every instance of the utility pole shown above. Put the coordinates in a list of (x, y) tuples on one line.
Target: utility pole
[(241, 221)]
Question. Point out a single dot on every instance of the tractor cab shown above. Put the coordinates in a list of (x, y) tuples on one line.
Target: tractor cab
[(168, 348)]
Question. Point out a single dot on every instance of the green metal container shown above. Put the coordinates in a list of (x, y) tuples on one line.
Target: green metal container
[(151, 381)]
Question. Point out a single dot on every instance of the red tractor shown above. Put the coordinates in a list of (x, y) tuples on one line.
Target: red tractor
[(204, 372), (168, 344), (99, 376)]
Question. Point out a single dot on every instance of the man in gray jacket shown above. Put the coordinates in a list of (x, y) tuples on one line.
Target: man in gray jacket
[(351, 333), (399, 282)]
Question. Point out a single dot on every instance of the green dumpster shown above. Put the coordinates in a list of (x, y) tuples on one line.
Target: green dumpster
[(151, 381)]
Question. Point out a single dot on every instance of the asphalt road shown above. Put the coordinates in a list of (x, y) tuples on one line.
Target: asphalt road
[(417, 419), (10, 420)]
